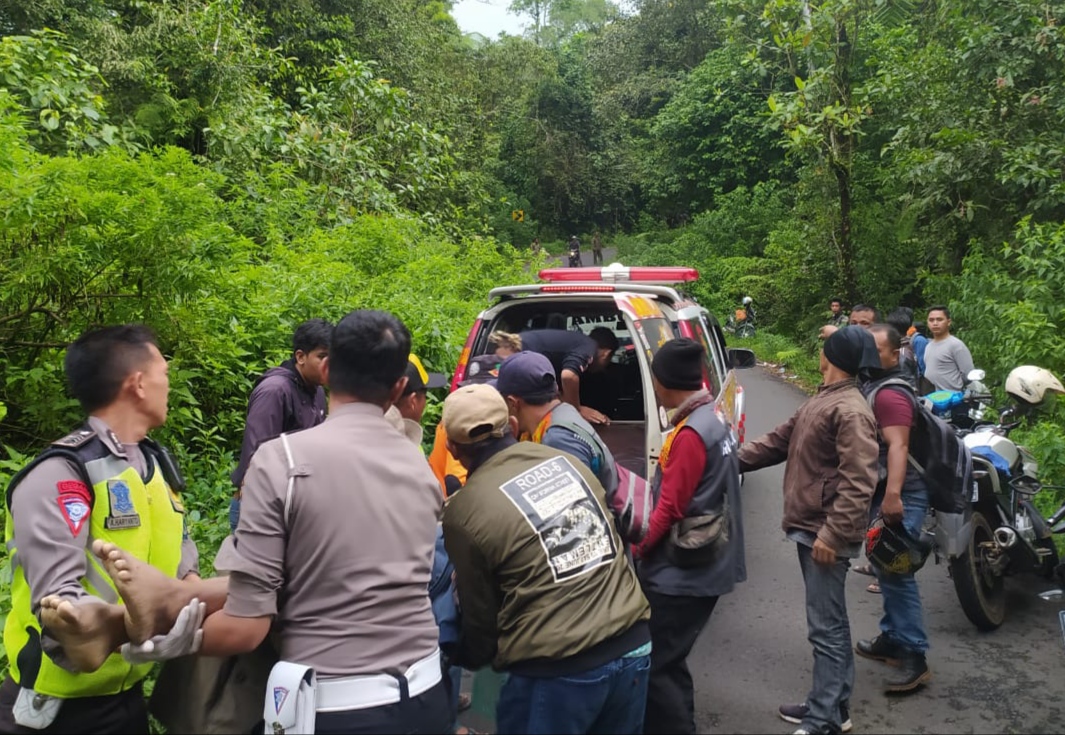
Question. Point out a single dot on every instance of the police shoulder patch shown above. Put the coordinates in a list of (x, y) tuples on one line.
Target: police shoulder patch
[(75, 438)]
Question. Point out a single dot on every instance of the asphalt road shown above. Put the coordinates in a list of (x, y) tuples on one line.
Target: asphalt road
[(753, 655)]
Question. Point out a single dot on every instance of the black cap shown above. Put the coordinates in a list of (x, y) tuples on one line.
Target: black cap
[(481, 369), (418, 379), (527, 375), (678, 365)]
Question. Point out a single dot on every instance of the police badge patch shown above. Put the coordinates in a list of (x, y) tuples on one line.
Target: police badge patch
[(123, 513)]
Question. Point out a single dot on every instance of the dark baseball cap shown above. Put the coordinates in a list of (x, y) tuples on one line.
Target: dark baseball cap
[(418, 379), (481, 369), (527, 375)]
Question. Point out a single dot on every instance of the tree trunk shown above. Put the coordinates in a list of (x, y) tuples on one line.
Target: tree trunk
[(847, 271)]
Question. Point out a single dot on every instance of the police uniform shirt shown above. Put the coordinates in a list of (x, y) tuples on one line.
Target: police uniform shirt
[(52, 536), (347, 577)]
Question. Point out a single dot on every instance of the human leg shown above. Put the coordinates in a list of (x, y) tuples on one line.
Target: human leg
[(676, 623), (151, 599), (89, 630), (625, 707), (903, 620), (829, 634), (608, 698)]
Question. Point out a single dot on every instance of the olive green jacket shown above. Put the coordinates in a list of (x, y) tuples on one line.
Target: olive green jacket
[(540, 570)]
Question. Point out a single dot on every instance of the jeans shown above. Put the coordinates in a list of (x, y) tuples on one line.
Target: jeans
[(829, 632), (676, 623), (903, 621), (234, 514), (453, 682), (607, 699)]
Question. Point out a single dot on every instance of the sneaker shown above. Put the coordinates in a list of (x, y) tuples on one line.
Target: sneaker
[(796, 713)]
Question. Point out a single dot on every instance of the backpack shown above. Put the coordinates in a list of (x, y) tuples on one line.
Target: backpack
[(631, 500), (936, 452)]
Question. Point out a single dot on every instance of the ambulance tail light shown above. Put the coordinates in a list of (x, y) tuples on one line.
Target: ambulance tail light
[(618, 273), (464, 358)]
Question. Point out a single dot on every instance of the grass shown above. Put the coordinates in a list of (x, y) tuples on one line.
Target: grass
[(800, 365)]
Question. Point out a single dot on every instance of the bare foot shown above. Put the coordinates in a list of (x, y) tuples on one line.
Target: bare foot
[(89, 630), (152, 600)]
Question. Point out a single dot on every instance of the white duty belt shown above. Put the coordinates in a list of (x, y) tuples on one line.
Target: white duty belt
[(363, 692)]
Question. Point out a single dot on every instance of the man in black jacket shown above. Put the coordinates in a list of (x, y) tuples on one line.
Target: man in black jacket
[(286, 398)]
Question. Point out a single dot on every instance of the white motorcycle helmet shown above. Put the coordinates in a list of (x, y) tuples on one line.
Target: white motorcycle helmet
[(747, 300), (1029, 384)]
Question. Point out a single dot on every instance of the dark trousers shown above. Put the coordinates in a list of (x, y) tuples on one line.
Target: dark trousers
[(607, 699), (676, 623), (429, 712), (111, 713)]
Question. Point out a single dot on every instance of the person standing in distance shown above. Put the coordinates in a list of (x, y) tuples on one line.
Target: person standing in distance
[(286, 398), (106, 480), (697, 475), (947, 360), (837, 316), (546, 592)]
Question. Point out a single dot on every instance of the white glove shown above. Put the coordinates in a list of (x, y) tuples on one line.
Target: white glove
[(184, 638)]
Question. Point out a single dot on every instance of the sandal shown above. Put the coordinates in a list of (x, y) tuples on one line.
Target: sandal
[(873, 587), (866, 569), (465, 701)]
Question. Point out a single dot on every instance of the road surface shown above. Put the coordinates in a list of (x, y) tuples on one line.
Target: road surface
[(754, 655)]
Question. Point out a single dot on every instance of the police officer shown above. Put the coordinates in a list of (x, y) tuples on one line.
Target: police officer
[(335, 543), (106, 481), (545, 590)]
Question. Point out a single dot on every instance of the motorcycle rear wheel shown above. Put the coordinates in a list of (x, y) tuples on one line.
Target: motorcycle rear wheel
[(745, 330), (981, 592)]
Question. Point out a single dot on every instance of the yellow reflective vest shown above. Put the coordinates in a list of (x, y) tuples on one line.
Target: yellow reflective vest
[(145, 518)]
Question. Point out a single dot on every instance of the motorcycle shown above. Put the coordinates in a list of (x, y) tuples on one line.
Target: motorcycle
[(741, 321), (1004, 534), (575, 258)]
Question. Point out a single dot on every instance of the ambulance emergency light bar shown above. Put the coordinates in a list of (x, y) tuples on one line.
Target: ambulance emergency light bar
[(618, 273)]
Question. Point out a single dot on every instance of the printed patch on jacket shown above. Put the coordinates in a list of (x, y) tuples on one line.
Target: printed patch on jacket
[(563, 512), (123, 513), (75, 510)]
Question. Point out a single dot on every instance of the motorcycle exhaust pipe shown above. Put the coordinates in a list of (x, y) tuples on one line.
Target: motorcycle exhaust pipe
[(1005, 537)]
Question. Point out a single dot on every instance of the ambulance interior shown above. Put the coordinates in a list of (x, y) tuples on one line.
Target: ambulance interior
[(619, 391)]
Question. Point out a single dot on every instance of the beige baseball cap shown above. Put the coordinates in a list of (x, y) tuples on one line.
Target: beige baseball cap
[(475, 413)]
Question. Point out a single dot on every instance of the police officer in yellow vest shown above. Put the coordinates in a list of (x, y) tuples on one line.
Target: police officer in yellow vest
[(107, 481)]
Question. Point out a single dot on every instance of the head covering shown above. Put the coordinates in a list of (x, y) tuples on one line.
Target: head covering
[(474, 414), (679, 364), (853, 350), (419, 379), (527, 375), (481, 369)]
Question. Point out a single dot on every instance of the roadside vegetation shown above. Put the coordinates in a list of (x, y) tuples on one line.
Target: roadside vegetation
[(224, 169)]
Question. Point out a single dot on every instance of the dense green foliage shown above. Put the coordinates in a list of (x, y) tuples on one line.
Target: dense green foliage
[(223, 169)]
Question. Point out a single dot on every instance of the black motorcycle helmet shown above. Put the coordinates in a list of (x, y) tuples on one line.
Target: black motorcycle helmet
[(891, 549)]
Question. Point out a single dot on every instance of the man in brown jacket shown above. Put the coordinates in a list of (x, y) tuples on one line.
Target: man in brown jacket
[(831, 451)]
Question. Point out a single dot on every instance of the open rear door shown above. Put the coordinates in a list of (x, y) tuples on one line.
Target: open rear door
[(650, 329)]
